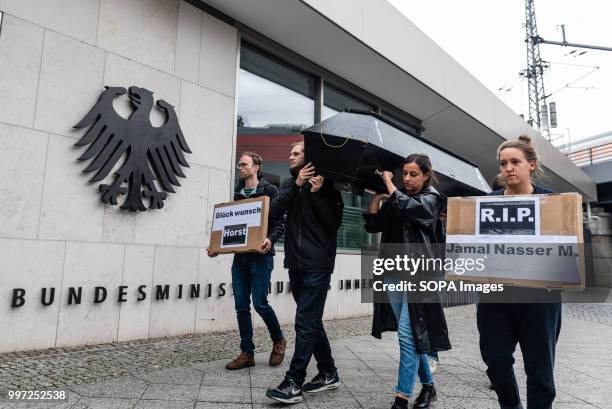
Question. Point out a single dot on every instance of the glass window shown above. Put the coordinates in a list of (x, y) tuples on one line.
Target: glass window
[(402, 123), (275, 102), (335, 100), (351, 234)]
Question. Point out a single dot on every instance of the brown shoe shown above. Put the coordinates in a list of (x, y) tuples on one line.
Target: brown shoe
[(278, 352), (244, 360)]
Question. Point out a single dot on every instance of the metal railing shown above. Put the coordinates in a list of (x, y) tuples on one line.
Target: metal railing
[(592, 156)]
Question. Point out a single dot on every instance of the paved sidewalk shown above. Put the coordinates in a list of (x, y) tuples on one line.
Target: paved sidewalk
[(367, 369)]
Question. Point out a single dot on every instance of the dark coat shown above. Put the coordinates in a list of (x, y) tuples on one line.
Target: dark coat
[(276, 225), (413, 219), (312, 222), (537, 190)]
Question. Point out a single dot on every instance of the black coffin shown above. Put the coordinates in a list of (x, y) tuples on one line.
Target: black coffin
[(351, 146)]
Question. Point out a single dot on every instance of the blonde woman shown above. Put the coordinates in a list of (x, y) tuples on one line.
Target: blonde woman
[(535, 326)]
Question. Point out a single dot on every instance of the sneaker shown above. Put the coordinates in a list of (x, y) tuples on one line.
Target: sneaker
[(433, 364), (244, 360), (287, 392), (322, 382), (278, 352)]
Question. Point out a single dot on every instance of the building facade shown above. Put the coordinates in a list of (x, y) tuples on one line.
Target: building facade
[(241, 76)]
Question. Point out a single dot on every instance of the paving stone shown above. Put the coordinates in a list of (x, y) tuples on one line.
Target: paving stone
[(227, 378), (164, 404), (338, 395), (93, 363), (258, 395), (189, 376), (266, 381), (227, 394), (104, 403), (217, 405), (364, 385), (375, 400), (193, 368), (333, 404), (273, 405), (125, 387), (171, 392)]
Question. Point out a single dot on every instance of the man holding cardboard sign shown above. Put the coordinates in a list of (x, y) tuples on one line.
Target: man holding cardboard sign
[(251, 271)]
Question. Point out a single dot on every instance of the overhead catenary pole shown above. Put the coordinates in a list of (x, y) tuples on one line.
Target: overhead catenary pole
[(540, 40), (535, 67)]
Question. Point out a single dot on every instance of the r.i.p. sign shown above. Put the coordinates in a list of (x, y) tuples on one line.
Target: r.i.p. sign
[(507, 215)]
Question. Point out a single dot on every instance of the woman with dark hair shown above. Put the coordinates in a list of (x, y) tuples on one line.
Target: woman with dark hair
[(533, 319), (410, 216), (498, 182)]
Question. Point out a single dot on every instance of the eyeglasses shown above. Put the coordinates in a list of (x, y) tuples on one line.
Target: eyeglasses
[(243, 165)]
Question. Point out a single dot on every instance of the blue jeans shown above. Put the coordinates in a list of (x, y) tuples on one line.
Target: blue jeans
[(411, 363), (309, 289), (250, 278)]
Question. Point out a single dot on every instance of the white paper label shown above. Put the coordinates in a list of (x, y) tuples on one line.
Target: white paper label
[(236, 214)]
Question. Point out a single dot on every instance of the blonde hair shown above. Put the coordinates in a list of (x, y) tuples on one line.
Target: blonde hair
[(300, 143), (523, 143)]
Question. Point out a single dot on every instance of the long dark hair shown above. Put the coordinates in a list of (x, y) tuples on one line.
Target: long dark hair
[(424, 164)]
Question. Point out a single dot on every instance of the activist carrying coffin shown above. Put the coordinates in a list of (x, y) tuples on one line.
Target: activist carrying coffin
[(240, 226), (350, 146), (527, 241)]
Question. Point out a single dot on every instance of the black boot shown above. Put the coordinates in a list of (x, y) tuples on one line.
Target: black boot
[(400, 403), (428, 395)]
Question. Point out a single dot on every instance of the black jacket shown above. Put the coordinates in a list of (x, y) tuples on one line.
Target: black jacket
[(276, 226), (537, 190), (313, 220), (413, 219)]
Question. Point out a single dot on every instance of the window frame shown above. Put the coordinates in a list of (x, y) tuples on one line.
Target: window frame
[(322, 77)]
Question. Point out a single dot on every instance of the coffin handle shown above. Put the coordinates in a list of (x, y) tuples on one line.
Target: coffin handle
[(338, 146)]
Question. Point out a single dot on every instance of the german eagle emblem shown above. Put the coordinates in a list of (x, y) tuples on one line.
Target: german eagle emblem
[(151, 153)]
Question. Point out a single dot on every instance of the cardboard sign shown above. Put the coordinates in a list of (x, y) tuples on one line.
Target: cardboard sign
[(528, 241), (240, 226)]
